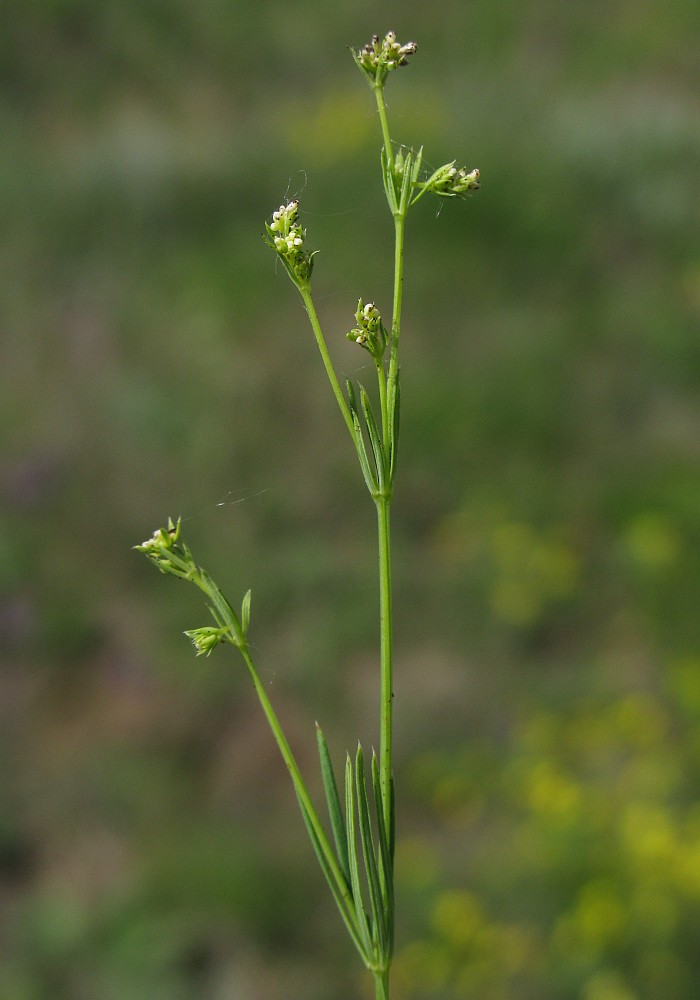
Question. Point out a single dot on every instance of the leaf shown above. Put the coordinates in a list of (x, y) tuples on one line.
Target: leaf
[(389, 188), (367, 472), (374, 439), (379, 924), (333, 800), (225, 615), (357, 933), (362, 923), (245, 613), (386, 866), (394, 405)]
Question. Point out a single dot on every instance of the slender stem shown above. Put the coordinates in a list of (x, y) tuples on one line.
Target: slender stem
[(381, 985), (295, 773), (399, 225), (342, 893), (386, 692), (383, 409), (381, 107), (328, 364)]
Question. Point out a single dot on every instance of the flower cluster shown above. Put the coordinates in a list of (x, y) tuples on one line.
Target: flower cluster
[(370, 332), (166, 551), (286, 236), (450, 181), (206, 638), (379, 57)]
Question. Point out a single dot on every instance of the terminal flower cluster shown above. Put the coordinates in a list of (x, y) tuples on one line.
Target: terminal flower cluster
[(379, 57), (166, 551), (286, 236), (370, 332)]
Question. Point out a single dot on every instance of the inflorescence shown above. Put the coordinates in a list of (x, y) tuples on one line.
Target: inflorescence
[(379, 57), (286, 236)]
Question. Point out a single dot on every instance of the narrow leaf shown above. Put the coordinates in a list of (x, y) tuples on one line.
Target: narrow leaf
[(360, 447), (394, 403), (374, 438), (406, 182), (389, 188), (358, 934), (333, 800), (386, 870), (373, 881), (416, 166), (245, 613), (361, 916), (352, 402), (224, 611)]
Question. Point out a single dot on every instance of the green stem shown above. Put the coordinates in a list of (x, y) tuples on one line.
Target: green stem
[(345, 901), (386, 692), (381, 107), (328, 364), (381, 985), (383, 409), (399, 226)]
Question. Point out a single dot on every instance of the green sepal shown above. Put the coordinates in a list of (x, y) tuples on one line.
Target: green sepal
[(333, 800)]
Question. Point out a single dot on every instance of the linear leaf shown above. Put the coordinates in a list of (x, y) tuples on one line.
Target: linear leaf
[(358, 934), (361, 916), (334, 810), (394, 413), (367, 472), (373, 880), (390, 190), (386, 871), (374, 438), (352, 402), (245, 613)]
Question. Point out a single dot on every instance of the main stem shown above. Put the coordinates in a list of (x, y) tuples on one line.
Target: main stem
[(381, 985), (381, 107), (399, 225), (386, 691)]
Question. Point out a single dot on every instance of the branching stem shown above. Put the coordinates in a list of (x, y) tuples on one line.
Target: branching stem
[(328, 364)]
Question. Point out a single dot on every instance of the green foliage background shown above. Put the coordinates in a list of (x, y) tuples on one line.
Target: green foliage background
[(547, 517)]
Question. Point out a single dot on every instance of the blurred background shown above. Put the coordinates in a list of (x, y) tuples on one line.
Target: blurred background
[(156, 362)]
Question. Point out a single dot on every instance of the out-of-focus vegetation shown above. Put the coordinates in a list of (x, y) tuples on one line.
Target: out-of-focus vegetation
[(547, 518)]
